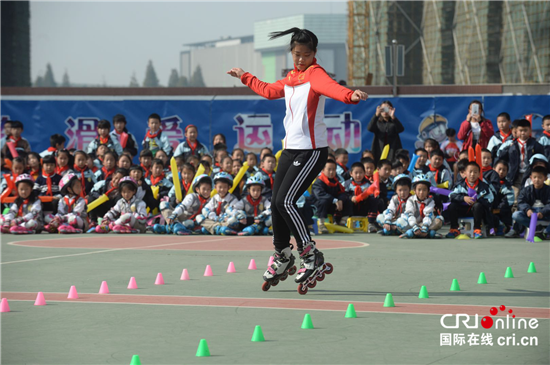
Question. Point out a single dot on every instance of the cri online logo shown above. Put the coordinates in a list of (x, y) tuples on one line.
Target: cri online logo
[(488, 322)]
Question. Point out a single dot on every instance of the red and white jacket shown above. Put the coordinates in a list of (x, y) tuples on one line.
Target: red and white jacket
[(305, 93)]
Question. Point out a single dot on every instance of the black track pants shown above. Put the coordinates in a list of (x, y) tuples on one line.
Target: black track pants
[(295, 172)]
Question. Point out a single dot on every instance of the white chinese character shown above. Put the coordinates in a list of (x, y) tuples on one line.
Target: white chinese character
[(445, 339), (473, 339), (486, 339), (459, 339)]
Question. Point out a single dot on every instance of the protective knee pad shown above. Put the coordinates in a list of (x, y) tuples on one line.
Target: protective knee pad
[(178, 227), (204, 231), (75, 220), (402, 224), (164, 205), (380, 219), (232, 222), (200, 218), (48, 218), (268, 222), (32, 224), (437, 223), (250, 229), (189, 224), (125, 218)]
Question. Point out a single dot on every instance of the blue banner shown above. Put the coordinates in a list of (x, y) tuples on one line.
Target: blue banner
[(252, 123)]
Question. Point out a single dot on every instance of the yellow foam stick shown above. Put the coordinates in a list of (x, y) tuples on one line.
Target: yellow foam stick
[(444, 185), (96, 203), (278, 154), (236, 180), (385, 152), (155, 190), (337, 228), (199, 172), (176, 179)]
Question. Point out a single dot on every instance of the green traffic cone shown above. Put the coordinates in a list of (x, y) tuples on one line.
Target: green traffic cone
[(307, 324), (135, 360), (350, 313), (509, 274), (482, 279), (423, 293), (532, 268), (203, 350), (258, 335), (455, 286), (389, 301)]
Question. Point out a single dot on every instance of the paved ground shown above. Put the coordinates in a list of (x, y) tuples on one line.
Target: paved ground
[(163, 324)]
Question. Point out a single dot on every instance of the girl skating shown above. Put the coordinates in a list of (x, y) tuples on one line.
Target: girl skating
[(305, 153)]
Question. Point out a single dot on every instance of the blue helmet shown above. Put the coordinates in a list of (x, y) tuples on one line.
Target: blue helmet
[(401, 177), (224, 176), (421, 178), (201, 178), (255, 180)]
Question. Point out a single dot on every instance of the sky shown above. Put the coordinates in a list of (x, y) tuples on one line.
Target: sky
[(106, 42)]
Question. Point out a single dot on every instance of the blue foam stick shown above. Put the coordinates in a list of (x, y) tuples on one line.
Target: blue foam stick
[(413, 162)]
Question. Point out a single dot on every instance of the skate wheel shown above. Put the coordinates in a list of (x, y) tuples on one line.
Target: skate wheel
[(284, 277), (292, 271), (321, 277), (312, 285), (266, 286), (275, 282), (302, 289), (329, 268)]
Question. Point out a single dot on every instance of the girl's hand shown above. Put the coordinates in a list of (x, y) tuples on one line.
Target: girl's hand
[(378, 110), (236, 72), (468, 117), (359, 95), (392, 113)]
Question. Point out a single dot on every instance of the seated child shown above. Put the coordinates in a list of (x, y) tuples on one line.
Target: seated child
[(544, 139), (25, 213), (72, 215), (254, 210), (84, 174), (109, 166), (98, 162), (144, 190), (16, 130), (8, 180), (191, 145), (145, 160), (47, 184), (158, 181), (265, 151), (386, 183), (420, 213), (420, 167), (536, 160), (219, 155), (103, 137), (391, 219), (405, 160), (438, 173), (504, 200), (269, 162), (215, 220), (469, 197), (186, 174), (33, 164), (533, 199), (227, 164), (330, 198), (188, 214), (129, 214), (238, 154), (119, 122), (124, 161), (502, 135), (397, 168), (342, 158), (451, 147), (57, 143), (64, 162), (154, 139), (489, 175), (107, 187), (252, 161)]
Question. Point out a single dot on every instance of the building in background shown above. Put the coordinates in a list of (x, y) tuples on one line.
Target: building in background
[(451, 42), (16, 44), (268, 60)]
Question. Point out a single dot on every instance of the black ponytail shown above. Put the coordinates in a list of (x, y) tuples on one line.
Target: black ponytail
[(301, 36)]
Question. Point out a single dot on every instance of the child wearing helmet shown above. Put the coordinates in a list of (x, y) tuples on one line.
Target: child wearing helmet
[(214, 211), (129, 215), (420, 211), (254, 210), (188, 214), (472, 196), (25, 214), (391, 220), (72, 215)]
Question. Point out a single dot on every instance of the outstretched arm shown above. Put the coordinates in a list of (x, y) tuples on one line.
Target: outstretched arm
[(267, 90), (323, 84)]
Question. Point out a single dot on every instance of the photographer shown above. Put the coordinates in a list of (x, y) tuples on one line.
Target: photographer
[(386, 128), (475, 129)]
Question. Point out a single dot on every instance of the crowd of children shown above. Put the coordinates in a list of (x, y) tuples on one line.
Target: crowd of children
[(102, 190)]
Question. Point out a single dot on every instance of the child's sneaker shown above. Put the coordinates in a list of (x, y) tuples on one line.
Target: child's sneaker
[(512, 234), (478, 233), (159, 229), (322, 229), (225, 231), (20, 230), (453, 233), (68, 229), (102, 229)]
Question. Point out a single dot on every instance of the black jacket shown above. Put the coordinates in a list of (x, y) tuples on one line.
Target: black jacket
[(385, 133)]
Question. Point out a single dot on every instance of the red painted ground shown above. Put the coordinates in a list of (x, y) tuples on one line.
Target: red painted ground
[(157, 242), (302, 304)]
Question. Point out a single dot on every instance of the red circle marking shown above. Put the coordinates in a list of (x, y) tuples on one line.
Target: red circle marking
[(172, 242), (487, 322), (502, 307), (493, 311), (510, 311)]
